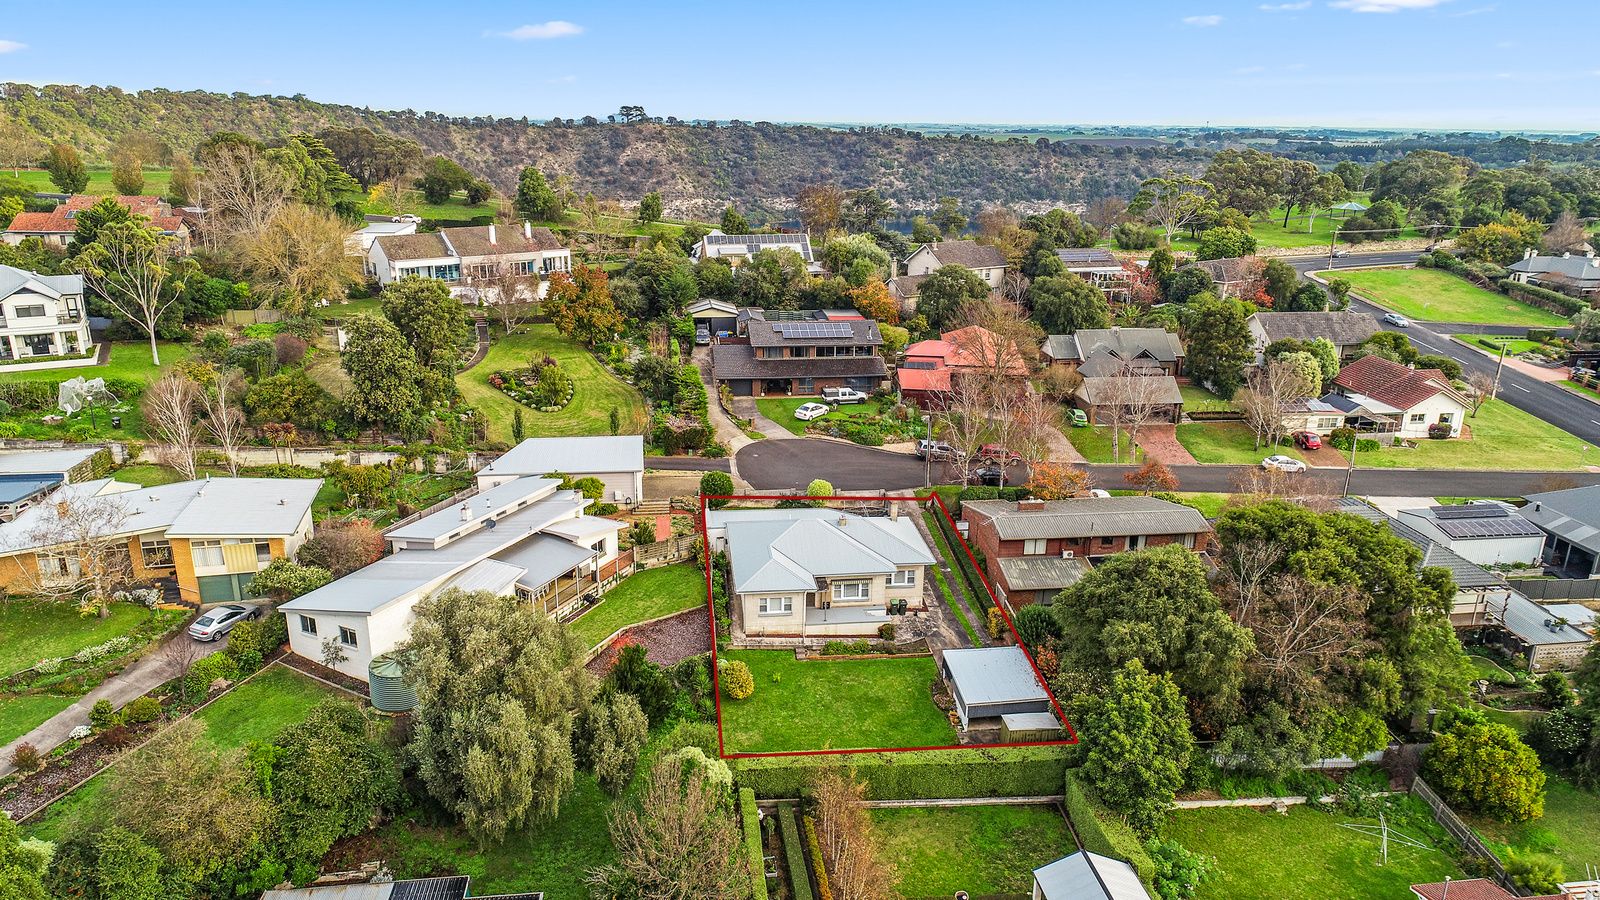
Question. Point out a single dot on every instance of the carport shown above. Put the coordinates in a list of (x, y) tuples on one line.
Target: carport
[(989, 682)]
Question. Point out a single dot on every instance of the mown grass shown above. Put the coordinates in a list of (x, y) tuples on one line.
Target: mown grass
[(1503, 437), (1094, 442), (1430, 295), (31, 630), (1230, 443), (645, 595), (22, 714), (983, 850), (1569, 831), (597, 390), (262, 706), (834, 704)]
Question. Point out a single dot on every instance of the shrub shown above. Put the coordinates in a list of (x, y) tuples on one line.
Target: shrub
[(886, 631), (1439, 431), (996, 622), (824, 891), (1035, 624), (10, 430), (1179, 871), (794, 856), (1543, 297), (103, 715), (1535, 873), (1487, 768), (1102, 832), (247, 641), (716, 483), (117, 737), (1368, 445), (754, 858), (27, 758), (200, 676), (1133, 236), (918, 774), (141, 710), (1342, 438), (737, 682)]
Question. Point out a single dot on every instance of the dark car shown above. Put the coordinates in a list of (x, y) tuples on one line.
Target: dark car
[(989, 476), (1307, 440)]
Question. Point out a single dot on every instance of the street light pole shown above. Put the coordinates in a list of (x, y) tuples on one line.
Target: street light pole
[(927, 454), (1494, 393), (1350, 470)]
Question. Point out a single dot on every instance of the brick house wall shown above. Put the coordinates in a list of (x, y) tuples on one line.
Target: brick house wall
[(982, 534)]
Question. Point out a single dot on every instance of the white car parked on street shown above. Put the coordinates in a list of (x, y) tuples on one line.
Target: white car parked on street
[(1283, 464)]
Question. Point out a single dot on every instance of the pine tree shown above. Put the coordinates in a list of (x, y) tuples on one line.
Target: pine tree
[(518, 431)]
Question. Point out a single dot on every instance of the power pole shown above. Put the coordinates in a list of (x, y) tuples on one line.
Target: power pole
[(1494, 393)]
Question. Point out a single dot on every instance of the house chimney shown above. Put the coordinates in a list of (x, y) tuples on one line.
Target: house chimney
[(894, 511), (466, 513), (491, 232), (842, 520), (1528, 253), (527, 229), (1031, 504), (1566, 254)]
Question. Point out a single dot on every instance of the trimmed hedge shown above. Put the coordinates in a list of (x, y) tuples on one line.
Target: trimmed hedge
[(824, 890), (1102, 832), (794, 856), (752, 844), (1542, 297), (917, 774)]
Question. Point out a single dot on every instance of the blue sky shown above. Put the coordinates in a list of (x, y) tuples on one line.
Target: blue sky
[(1480, 64)]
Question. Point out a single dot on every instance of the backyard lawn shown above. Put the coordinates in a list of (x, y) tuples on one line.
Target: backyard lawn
[(983, 850), (1568, 831), (834, 704), (1094, 442), (642, 596), (597, 392), (31, 630), (129, 359), (1198, 399), (262, 706), (1227, 442), (1503, 437), (156, 181), (1262, 855), (1430, 295)]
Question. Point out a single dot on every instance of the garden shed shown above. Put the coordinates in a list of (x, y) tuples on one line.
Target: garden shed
[(989, 682)]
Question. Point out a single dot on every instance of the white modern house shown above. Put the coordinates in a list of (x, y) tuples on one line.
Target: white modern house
[(359, 242), (524, 537), (458, 256), (987, 262), (738, 249), (617, 460), (43, 319), (1484, 533), (819, 572)]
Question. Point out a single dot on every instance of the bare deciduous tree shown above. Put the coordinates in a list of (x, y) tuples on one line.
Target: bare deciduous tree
[(1129, 399), (846, 838), (82, 553), (1302, 630), (1269, 395), (1482, 388), (169, 411), (511, 292), (241, 190), (18, 148), (990, 399), (1247, 564), (131, 267), (1566, 235), (682, 842), (224, 415)]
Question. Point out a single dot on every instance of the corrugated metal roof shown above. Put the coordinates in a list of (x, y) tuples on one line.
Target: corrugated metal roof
[(542, 559), (490, 504), (1042, 573), (255, 507), (489, 575), (1085, 875), (16, 488), (1572, 515), (572, 456), (986, 675), (1091, 517), (41, 462), (1526, 619)]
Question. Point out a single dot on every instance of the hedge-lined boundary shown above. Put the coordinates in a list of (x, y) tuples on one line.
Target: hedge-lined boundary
[(799, 876), (754, 858), (953, 545), (1099, 831), (1544, 298), (916, 774), (824, 890)]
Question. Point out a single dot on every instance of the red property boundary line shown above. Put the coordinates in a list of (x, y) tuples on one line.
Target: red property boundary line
[(931, 499)]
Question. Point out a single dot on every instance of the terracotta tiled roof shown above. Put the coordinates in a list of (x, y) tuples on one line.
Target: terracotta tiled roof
[(976, 346), (40, 222), (923, 379), (60, 219), (1470, 889), (1391, 383)]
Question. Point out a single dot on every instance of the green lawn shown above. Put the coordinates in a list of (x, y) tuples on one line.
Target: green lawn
[(1232, 443), (20, 715), (1568, 831), (262, 706), (982, 850), (129, 359), (1094, 442), (641, 596), (31, 630), (1198, 399), (156, 180), (834, 704), (1262, 855), (1519, 720), (1430, 295), (598, 391), (1491, 670), (1585, 390), (1491, 343), (1503, 437), (781, 410), (369, 307)]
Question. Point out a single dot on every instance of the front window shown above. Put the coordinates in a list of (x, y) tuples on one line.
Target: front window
[(207, 554), (31, 311), (1419, 418), (775, 606), (1445, 418), (1033, 547), (851, 590), (308, 625), (263, 552), (157, 553), (1105, 542), (803, 386), (347, 637), (903, 578), (58, 565)]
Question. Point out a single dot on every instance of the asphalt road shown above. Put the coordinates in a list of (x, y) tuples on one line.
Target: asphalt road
[(1553, 404), (781, 465)]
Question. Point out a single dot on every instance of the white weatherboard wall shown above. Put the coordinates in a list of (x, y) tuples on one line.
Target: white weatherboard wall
[(1430, 410), (375, 635)]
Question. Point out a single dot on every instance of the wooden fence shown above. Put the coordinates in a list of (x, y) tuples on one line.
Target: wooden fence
[(1557, 588), (661, 553), (1450, 822)]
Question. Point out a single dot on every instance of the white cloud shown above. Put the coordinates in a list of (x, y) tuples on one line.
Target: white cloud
[(562, 79), (555, 28), (1385, 6), (1285, 7), (1478, 11), (11, 46), (1202, 21)]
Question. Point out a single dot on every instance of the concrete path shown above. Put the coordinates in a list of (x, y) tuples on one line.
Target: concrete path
[(1061, 449), (949, 629), (145, 675), (748, 408), (726, 430)]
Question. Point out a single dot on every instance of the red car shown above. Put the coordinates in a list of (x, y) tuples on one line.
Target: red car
[(997, 454), (1307, 440)]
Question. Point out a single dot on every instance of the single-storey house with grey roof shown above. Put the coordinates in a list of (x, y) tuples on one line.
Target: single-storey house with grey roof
[(1485, 533), (524, 537), (617, 460), (1087, 876), (1579, 275), (1346, 330), (1571, 521), (459, 256), (990, 682), (1059, 539), (815, 573)]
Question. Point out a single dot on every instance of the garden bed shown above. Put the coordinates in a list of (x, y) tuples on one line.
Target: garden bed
[(542, 386)]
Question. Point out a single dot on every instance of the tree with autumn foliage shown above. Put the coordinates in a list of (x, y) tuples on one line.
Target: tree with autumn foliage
[(873, 301), (1055, 481), (1151, 478), (580, 306)]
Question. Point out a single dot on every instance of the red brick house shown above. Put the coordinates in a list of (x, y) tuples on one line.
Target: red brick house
[(1034, 549)]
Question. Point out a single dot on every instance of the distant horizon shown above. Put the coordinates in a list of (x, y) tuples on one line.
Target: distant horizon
[(1417, 65)]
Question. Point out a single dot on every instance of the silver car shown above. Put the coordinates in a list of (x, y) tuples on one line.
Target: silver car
[(219, 620)]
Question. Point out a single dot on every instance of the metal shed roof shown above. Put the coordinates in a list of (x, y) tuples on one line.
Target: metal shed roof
[(1085, 875), (571, 455), (990, 675), (1091, 517)]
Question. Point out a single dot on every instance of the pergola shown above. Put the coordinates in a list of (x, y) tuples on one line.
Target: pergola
[(1348, 208)]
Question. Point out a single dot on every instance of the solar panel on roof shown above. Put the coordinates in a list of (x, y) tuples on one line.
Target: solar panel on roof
[(453, 887), (813, 329), (1473, 511)]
